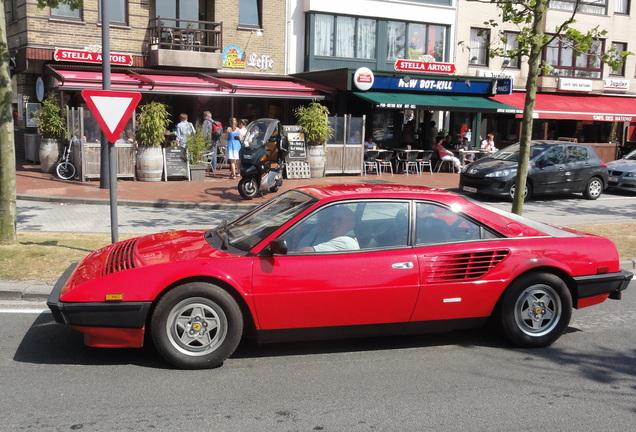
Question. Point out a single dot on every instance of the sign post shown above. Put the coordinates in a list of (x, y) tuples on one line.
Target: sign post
[(112, 110)]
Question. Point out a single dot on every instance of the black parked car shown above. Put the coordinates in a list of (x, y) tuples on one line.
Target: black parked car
[(555, 167)]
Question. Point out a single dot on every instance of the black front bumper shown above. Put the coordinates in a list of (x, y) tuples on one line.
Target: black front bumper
[(612, 283), (96, 314)]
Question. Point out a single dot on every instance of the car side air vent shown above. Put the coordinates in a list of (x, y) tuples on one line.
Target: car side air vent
[(464, 266), (121, 257)]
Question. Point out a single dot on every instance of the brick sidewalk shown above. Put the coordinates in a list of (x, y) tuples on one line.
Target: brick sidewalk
[(216, 188)]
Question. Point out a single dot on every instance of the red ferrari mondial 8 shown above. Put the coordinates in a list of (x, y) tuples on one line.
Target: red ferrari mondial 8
[(338, 261)]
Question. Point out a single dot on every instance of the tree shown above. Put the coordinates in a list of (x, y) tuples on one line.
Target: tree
[(529, 16), (7, 144)]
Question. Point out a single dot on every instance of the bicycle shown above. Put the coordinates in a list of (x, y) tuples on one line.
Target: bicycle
[(65, 168)]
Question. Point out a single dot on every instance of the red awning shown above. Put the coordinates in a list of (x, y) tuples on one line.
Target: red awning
[(198, 85), (599, 108)]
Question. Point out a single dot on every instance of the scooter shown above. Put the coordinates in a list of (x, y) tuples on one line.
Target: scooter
[(262, 157)]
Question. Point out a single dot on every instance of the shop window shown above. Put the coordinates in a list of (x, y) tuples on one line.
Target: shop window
[(479, 40), (250, 13), (117, 11), (621, 7), (597, 7), (511, 44), (64, 11), (620, 48), (565, 62)]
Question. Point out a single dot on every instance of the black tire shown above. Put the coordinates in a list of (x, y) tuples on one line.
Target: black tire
[(527, 193), (593, 188), (65, 170), (248, 188), (535, 310), (196, 326)]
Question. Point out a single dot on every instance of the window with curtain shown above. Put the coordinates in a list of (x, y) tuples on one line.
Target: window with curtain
[(365, 41), (323, 35), (597, 7), (344, 36), (117, 11), (620, 48), (414, 40), (250, 13), (511, 44), (561, 56), (479, 39), (621, 6), (64, 11), (396, 40)]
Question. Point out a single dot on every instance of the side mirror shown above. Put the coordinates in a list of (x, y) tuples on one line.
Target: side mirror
[(278, 246)]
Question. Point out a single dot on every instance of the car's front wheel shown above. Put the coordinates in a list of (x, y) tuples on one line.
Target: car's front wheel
[(196, 326), (593, 188), (535, 310), (527, 192)]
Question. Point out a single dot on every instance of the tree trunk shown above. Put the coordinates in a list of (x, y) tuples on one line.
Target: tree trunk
[(7, 147), (534, 61)]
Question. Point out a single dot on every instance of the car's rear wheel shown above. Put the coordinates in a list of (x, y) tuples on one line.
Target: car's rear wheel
[(535, 310), (196, 326), (527, 192), (593, 188)]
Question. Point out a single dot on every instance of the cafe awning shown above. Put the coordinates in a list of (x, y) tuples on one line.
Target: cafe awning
[(437, 102), (571, 107), (199, 84)]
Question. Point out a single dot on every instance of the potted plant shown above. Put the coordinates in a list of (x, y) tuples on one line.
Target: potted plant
[(196, 146), (152, 122), (312, 119), (52, 127)]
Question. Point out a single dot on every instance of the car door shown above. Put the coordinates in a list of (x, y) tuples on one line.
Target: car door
[(549, 173), (377, 283), (454, 254), (578, 167)]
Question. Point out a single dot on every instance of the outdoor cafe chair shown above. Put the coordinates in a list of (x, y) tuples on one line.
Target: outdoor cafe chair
[(385, 162), (370, 162), (424, 160)]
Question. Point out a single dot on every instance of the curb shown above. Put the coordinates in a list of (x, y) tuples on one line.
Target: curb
[(139, 203)]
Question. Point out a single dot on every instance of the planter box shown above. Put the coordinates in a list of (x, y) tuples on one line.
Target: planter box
[(87, 160), (197, 172)]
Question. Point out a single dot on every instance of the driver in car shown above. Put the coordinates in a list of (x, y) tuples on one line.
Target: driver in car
[(340, 228)]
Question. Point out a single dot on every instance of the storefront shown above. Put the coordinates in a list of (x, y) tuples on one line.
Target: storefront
[(392, 101)]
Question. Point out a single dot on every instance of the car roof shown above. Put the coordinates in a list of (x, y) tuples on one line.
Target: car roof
[(369, 190)]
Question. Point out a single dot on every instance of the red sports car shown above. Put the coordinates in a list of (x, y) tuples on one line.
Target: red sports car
[(338, 260)]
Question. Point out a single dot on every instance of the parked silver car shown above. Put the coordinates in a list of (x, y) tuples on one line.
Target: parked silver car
[(622, 173)]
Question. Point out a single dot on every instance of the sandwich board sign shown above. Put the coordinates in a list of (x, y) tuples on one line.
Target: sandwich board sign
[(112, 109)]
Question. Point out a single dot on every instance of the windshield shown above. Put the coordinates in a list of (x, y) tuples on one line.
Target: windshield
[(511, 153), (258, 132), (248, 230), (631, 156)]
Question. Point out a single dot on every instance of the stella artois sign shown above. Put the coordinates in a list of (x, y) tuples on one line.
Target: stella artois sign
[(406, 65), (86, 56)]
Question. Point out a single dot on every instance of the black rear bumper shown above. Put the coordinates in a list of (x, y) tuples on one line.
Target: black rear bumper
[(96, 314), (612, 283)]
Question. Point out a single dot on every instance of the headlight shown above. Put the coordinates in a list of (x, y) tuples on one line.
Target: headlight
[(503, 173), (630, 174)]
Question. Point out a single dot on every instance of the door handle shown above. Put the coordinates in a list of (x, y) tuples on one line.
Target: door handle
[(402, 266)]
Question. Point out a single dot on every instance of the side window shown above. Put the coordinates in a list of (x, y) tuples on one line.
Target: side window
[(436, 224), (351, 226), (577, 154), (553, 156)]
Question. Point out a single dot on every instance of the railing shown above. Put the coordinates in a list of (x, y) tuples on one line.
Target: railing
[(170, 33)]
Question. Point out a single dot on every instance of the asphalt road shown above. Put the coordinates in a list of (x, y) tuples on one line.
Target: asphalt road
[(461, 381)]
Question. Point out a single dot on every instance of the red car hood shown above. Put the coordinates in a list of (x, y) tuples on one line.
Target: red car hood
[(172, 246)]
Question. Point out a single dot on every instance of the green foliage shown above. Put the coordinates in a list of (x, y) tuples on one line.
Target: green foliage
[(152, 122), (196, 145), (50, 123), (313, 121), (75, 4)]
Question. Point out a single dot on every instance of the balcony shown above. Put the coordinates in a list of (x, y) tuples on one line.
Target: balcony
[(184, 43)]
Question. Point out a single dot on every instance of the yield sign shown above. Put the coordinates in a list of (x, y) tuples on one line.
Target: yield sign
[(112, 109)]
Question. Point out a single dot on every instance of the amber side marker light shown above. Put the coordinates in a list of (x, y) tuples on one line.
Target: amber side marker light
[(114, 297), (601, 270)]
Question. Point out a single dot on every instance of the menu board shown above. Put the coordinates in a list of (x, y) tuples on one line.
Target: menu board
[(296, 144), (175, 162)]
